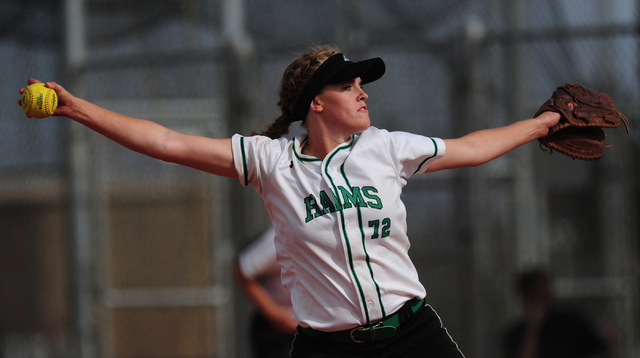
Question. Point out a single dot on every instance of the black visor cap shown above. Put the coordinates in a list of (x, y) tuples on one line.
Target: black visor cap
[(337, 69)]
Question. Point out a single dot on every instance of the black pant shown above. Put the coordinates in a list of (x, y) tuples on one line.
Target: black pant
[(266, 341), (421, 336)]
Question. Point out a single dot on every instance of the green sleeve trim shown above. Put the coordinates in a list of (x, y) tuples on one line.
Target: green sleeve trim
[(244, 162), (435, 145)]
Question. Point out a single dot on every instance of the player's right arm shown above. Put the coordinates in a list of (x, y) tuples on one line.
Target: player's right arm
[(149, 138)]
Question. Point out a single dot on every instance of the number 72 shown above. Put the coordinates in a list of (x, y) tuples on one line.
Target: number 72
[(386, 227)]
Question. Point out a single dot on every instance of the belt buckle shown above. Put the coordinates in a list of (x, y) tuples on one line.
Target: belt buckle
[(376, 332), (359, 329)]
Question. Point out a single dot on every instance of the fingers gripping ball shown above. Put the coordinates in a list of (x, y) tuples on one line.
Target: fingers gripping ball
[(39, 101)]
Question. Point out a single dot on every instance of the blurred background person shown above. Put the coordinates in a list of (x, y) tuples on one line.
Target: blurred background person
[(547, 331), (258, 276)]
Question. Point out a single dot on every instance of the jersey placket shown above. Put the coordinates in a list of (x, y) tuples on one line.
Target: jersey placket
[(351, 231)]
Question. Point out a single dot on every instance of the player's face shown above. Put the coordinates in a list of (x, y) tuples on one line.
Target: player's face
[(344, 107)]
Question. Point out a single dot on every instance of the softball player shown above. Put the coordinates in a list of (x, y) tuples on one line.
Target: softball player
[(257, 274), (333, 195)]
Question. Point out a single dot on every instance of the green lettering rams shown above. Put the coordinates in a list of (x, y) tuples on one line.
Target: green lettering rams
[(330, 203)]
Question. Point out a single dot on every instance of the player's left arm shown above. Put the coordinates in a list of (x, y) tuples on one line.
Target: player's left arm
[(485, 145)]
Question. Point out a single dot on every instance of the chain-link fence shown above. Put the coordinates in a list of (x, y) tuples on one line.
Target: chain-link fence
[(107, 253)]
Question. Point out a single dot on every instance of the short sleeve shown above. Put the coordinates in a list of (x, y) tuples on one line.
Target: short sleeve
[(254, 158), (412, 153)]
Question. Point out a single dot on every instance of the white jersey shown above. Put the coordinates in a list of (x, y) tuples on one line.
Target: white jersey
[(340, 223)]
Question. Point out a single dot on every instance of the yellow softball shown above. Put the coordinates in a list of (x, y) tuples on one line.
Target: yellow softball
[(39, 101)]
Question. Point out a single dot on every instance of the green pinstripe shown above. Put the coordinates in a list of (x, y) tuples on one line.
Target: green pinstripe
[(364, 246)]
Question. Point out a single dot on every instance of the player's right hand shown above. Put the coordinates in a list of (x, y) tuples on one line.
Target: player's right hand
[(65, 99)]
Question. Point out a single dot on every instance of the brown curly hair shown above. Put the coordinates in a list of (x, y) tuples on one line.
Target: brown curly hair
[(294, 78)]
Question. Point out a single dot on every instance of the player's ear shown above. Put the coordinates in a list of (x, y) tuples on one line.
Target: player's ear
[(316, 105)]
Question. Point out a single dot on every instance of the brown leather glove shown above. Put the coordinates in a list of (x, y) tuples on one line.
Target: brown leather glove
[(584, 112)]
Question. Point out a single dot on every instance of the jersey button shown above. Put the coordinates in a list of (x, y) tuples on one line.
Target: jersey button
[(369, 304)]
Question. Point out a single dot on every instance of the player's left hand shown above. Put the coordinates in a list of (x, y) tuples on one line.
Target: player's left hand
[(548, 119)]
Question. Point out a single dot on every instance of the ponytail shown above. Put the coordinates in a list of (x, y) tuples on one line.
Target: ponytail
[(294, 79), (275, 130)]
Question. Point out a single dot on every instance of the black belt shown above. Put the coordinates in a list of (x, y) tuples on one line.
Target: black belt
[(383, 329)]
